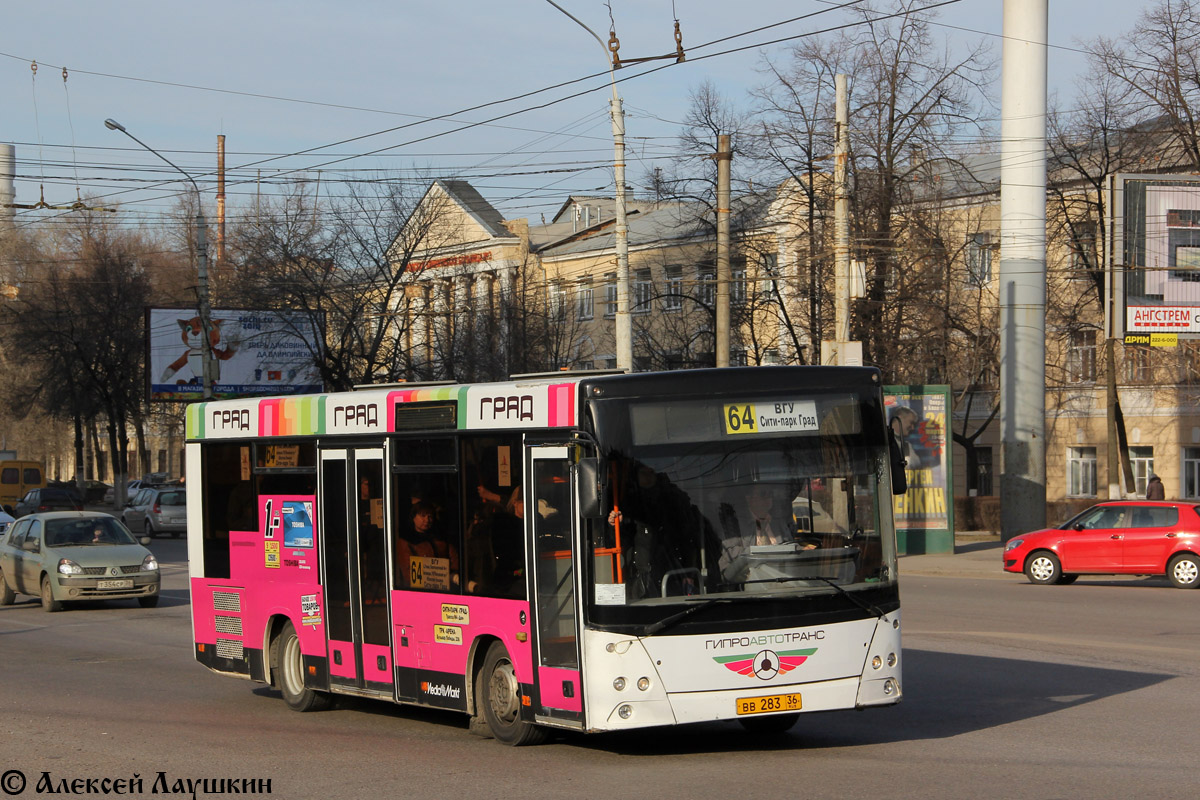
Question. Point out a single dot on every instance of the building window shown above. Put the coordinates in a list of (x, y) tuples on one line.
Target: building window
[(1142, 461), (983, 471), (610, 294), (1081, 472), (558, 301), (1191, 472), (1137, 364), (1081, 356), (737, 358), (673, 299), (586, 300), (708, 287), (737, 283), (643, 289), (1189, 362), (979, 259), (1083, 249)]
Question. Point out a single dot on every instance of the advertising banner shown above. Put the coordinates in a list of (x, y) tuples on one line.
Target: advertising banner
[(919, 415), (1153, 270), (254, 353)]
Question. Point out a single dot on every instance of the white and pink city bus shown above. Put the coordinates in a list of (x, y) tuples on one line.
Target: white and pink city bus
[(589, 552)]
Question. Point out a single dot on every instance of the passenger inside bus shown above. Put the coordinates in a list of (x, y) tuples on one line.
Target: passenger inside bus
[(663, 525), (495, 549), (425, 556)]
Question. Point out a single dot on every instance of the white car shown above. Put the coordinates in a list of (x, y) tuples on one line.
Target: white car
[(5, 521)]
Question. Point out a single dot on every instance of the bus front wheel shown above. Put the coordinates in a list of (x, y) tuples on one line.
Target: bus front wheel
[(500, 695), (289, 674)]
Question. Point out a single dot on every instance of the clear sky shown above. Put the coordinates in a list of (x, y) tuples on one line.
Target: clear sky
[(278, 78)]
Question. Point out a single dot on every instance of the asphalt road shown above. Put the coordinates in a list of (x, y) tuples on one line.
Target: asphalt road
[(1011, 690)]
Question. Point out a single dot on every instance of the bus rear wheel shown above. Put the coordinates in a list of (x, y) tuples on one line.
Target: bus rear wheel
[(289, 674), (500, 695)]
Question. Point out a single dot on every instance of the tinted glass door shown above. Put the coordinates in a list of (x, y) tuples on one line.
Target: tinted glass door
[(356, 568), (549, 516)]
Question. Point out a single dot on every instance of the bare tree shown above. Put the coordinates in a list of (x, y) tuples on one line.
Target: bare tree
[(910, 101), (1156, 72)]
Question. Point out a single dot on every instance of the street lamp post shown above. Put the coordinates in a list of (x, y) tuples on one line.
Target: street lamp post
[(624, 324), (206, 367)]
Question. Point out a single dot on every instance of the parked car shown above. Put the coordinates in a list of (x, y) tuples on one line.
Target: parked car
[(161, 509), (131, 489), (1117, 537), (63, 556), (5, 520), (47, 499)]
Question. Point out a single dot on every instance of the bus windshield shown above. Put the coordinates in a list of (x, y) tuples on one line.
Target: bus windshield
[(788, 514)]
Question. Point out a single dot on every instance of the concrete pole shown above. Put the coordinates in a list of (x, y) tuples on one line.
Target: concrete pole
[(8, 192), (1022, 288), (220, 201), (841, 220), (724, 156), (624, 323)]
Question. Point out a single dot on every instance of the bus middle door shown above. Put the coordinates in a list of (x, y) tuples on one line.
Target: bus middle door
[(550, 518), (354, 519)]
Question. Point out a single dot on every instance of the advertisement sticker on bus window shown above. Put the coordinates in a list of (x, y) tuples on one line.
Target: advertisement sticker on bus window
[(429, 573), (610, 594), (297, 523), (504, 465), (310, 609), (459, 615), (779, 416), (447, 634), (245, 454), (271, 554)]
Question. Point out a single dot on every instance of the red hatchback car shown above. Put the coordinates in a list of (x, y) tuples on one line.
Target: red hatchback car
[(1129, 537)]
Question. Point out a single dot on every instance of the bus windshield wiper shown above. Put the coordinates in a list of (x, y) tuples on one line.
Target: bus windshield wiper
[(865, 606), (678, 617), (870, 609)]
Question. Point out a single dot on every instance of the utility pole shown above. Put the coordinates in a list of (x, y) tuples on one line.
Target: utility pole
[(220, 201), (623, 322), (724, 156), (841, 224), (1023, 267)]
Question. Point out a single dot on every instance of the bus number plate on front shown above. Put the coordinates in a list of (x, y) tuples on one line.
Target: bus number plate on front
[(120, 584), (768, 704)]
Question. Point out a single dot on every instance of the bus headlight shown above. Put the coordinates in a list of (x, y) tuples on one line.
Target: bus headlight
[(643, 684), (890, 687), (619, 684), (625, 711), (891, 659), (876, 662)]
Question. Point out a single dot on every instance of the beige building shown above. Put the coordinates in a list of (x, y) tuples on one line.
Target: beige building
[(480, 279)]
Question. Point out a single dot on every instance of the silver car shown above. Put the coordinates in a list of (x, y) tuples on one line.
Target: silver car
[(63, 556), (162, 509)]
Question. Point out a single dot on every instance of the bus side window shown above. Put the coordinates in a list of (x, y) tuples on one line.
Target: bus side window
[(427, 533)]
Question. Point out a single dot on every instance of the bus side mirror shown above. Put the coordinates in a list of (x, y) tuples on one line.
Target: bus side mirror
[(899, 463), (588, 479)]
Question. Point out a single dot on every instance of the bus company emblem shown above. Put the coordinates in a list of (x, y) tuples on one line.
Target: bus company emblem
[(362, 414), (765, 664), (231, 419), (513, 406)]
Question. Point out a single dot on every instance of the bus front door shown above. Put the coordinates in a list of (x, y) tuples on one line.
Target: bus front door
[(549, 519), (354, 522)]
